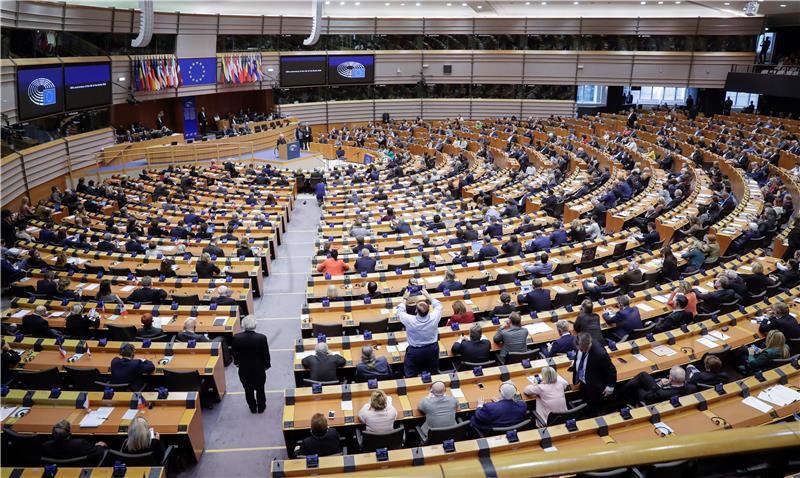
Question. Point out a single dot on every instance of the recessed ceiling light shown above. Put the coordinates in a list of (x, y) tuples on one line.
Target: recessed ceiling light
[(783, 5), (527, 3), (341, 3), (642, 3), (358, 3), (480, 6), (464, 4), (449, 4), (387, 4), (544, 3), (677, 3), (661, 3), (328, 2), (576, 3), (418, 4), (727, 3)]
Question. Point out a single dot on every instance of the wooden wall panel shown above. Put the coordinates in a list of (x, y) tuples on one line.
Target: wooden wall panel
[(239, 25), (87, 19), (549, 68), (45, 162), (449, 26), (608, 26), (296, 25), (611, 68), (164, 22), (348, 26), (461, 62), (500, 26), (126, 21), (12, 180), (84, 148), (709, 70), (446, 108), (496, 67), (8, 14), (40, 15), (554, 26), (397, 67), (545, 108), (8, 90), (663, 69), (400, 26)]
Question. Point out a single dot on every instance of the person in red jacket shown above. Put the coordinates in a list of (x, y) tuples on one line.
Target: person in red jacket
[(333, 265)]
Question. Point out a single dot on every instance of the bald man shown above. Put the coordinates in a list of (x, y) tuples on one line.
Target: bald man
[(439, 409), (505, 412)]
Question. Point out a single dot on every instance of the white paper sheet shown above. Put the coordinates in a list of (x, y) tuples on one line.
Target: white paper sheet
[(779, 395), (640, 357), (537, 328), (91, 286), (130, 414), (128, 288), (302, 355), (752, 401), (718, 335), (645, 307), (707, 342), (661, 298), (6, 411), (347, 405), (20, 313), (457, 392), (96, 418), (402, 346), (392, 349), (663, 351)]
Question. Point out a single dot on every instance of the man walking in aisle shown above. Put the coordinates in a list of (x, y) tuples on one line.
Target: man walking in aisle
[(251, 354)]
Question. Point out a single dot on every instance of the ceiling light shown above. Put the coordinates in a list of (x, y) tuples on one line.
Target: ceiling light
[(121, 78), (328, 2), (464, 4), (727, 3), (677, 3), (418, 4), (527, 3), (358, 3), (642, 3), (387, 4), (480, 6), (661, 3), (544, 3), (783, 5), (341, 3), (449, 4), (576, 3)]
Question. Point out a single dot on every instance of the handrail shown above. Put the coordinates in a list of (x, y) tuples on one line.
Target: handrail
[(766, 69)]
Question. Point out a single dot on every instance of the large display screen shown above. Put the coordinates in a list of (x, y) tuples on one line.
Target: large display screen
[(351, 69), (87, 85), (303, 71), (40, 91)]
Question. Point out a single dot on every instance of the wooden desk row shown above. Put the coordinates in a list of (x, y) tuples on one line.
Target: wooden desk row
[(41, 354), (665, 350), (701, 412)]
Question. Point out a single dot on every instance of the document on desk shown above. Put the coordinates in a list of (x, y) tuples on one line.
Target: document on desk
[(92, 286), (302, 355), (752, 401), (20, 313), (663, 351), (718, 335), (538, 328), (128, 288), (392, 349), (661, 298), (779, 395), (6, 411), (130, 414), (220, 321), (57, 314), (457, 392), (559, 289), (96, 418), (707, 342), (402, 346), (347, 405), (641, 357), (645, 307)]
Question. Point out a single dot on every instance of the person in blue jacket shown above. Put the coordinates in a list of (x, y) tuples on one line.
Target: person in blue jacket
[(627, 318), (499, 413), (319, 189)]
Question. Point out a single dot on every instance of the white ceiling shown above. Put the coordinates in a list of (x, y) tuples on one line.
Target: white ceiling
[(467, 8)]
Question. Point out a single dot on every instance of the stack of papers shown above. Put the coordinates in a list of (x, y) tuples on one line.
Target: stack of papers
[(538, 328), (757, 404), (718, 335), (663, 351), (20, 313), (6, 411), (96, 418), (128, 288), (661, 298), (640, 357), (707, 342), (779, 395), (302, 355), (645, 307)]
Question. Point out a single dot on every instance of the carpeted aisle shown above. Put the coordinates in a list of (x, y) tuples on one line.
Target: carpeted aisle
[(239, 443)]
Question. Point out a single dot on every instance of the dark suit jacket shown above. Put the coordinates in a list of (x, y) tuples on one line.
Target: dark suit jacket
[(537, 299), (562, 345), (225, 301), (147, 294), (36, 326), (589, 323), (324, 369), (450, 285), (708, 378), (251, 354), (786, 324), (594, 291), (626, 319), (47, 287), (628, 277), (106, 246), (503, 413), (125, 370), (600, 372), (78, 326), (512, 248), (206, 270), (757, 282), (327, 444), (473, 351), (712, 300), (71, 448), (365, 264), (663, 394), (486, 252), (673, 321)]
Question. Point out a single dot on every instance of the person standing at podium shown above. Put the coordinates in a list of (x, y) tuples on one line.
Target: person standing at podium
[(281, 140), (306, 136), (202, 120)]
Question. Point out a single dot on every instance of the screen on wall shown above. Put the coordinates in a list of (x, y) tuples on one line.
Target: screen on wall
[(40, 91), (302, 71), (87, 85), (351, 69)]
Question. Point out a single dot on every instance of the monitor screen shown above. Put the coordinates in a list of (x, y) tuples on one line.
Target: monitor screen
[(87, 85), (302, 71), (40, 91), (351, 69)]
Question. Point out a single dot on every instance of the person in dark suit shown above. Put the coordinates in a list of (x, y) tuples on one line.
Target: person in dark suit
[(712, 374), (130, 370), (365, 263), (644, 388), (512, 247), (712, 301), (160, 120), (476, 349), (225, 296), (361, 245), (494, 230), (632, 276), (146, 293), (488, 250), (504, 412), (79, 325), (107, 244), (505, 308), (626, 319), (538, 299), (36, 325), (669, 268), (63, 446), (450, 283), (757, 281), (9, 360), (324, 441), (588, 322), (47, 286), (594, 289), (205, 268), (133, 245), (678, 317), (202, 120), (565, 342), (179, 231), (593, 370), (778, 318), (251, 355), (463, 256), (323, 365)]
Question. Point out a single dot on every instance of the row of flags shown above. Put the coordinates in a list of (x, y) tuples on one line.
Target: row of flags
[(241, 69), (156, 74)]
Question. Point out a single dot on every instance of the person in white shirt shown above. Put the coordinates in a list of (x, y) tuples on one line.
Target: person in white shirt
[(422, 333), (593, 231), (549, 394), (378, 415)]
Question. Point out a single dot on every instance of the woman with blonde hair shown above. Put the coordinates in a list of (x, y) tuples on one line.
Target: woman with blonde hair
[(142, 439), (378, 415), (753, 358), (549, 394)]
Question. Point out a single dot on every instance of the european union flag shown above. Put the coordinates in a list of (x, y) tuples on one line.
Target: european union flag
[(198, 71)]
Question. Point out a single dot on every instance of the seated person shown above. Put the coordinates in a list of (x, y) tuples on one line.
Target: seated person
[(512, 336), (713, 301), (631, 276), (460, 314), (147, 331), (540, 268), (146, 293), (189, 332), (488, 250), (378, 415), (142, 439), (644, 388), (47, 285), (626, 318), (372, 291), (565, 342), (505, 412), (79, 325), (678, 317), (439, 409), (505, 308), (779, 318), (365, 263), (594, 289), (712, 374), (476, 349), (9, 361), (370, 366), (205, 268), (751, 359), (323, 364), (333, 265), (757, 281), (324, 441), (130, 370), (538, 299), (224, 296), (450, 283), (549, 393), (463, 256), (35, 324), (512, 247), (64, 447)]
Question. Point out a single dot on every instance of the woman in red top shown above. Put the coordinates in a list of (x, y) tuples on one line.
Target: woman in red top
[(460, 314), (333, 265), (685, 289)]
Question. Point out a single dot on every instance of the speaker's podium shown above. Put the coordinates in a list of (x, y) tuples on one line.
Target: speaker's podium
[(289, 151)]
